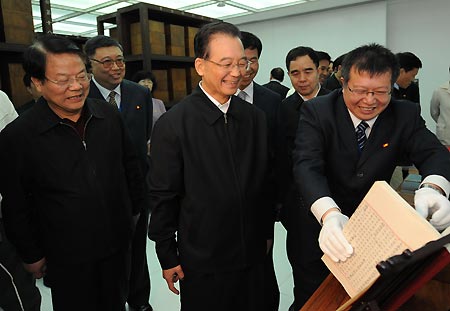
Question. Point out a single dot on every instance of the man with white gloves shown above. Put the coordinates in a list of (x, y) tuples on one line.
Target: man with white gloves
[(349, 139)]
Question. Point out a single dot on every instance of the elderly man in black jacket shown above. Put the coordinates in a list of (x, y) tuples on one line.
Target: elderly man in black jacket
[(71, 183), (210, 219)]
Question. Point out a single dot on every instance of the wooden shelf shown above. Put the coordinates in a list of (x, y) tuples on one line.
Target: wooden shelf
[(161, 40)]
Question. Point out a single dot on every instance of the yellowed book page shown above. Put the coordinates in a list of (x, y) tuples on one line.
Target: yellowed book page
[(382, 226)]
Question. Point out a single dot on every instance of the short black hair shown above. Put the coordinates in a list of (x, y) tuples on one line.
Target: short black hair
[(323, 55), (35, 56), (408, 61), (277, 73), (302, 51), (338, 62), (26, 80), (250, 41), (100, 41), (202, 37), (145, 74), (372, 58)]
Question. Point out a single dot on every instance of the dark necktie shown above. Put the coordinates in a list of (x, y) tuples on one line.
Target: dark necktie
[(112, 98), (361, 134)]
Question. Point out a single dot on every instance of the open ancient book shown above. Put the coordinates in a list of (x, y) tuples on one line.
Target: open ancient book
[(383, 225)]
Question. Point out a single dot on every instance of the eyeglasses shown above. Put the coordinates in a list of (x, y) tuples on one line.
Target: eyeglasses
[(361, 92), (242, 65), (65, 83), (108, 63)]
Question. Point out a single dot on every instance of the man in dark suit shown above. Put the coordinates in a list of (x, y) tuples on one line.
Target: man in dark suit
[(349, 139), (405, 87), (71, 183), (334, 82), (302, 64), (276, 77), (324, 63), (269, 102), (135, 104)]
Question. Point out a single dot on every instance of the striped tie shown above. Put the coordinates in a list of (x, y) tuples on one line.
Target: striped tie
[(361, 134), (112, 98), (242, 95)]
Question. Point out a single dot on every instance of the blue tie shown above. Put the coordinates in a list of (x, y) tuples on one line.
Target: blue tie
[(361, 134)]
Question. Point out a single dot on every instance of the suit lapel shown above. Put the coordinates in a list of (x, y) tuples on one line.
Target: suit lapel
[(346, 127), (125, 98)]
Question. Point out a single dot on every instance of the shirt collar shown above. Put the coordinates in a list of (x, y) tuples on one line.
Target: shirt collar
[(356, 122), (305, 99), (249, 91), (223, 107), (104, 91)]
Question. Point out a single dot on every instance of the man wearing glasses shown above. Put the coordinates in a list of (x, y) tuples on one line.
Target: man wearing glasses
[(211, 216), (135, 104), (70, 183), (349, 139)]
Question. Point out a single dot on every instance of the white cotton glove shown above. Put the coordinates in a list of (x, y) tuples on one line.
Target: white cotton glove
[(331, 238), (430, 202)]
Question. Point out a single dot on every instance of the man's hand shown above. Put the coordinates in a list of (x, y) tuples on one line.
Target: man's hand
[(172, 276), (428, 201), (332, 240), (37, 269)]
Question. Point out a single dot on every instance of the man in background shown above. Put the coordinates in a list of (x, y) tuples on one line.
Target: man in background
[(31, 88), (269, 102), (405, 87), (135, 104), (324, 63), (302, 64), (18, 287), (440, 112), (334, 82), (276, 77)]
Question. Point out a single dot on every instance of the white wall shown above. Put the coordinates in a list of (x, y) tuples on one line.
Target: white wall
[(418, 26), (335, 31), (422, 27)]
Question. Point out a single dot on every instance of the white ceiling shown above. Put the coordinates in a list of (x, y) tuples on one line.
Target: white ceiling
[(79, 17)]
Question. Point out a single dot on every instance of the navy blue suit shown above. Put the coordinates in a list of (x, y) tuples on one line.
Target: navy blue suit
[(136, 108)]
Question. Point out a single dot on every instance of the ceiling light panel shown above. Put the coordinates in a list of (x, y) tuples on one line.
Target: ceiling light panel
[(175, 4), (218, 12), (79, 4), (263, 4)]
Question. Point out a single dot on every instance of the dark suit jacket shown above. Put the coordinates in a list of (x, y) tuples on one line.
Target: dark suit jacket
[(269, 102), (327, 160), (277, 87), (136, 107), (410, 93), (332, 83), (289, 117), (210, 211)]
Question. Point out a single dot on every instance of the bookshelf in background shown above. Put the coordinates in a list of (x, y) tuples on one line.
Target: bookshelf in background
[(16, 33), (158, 39)]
